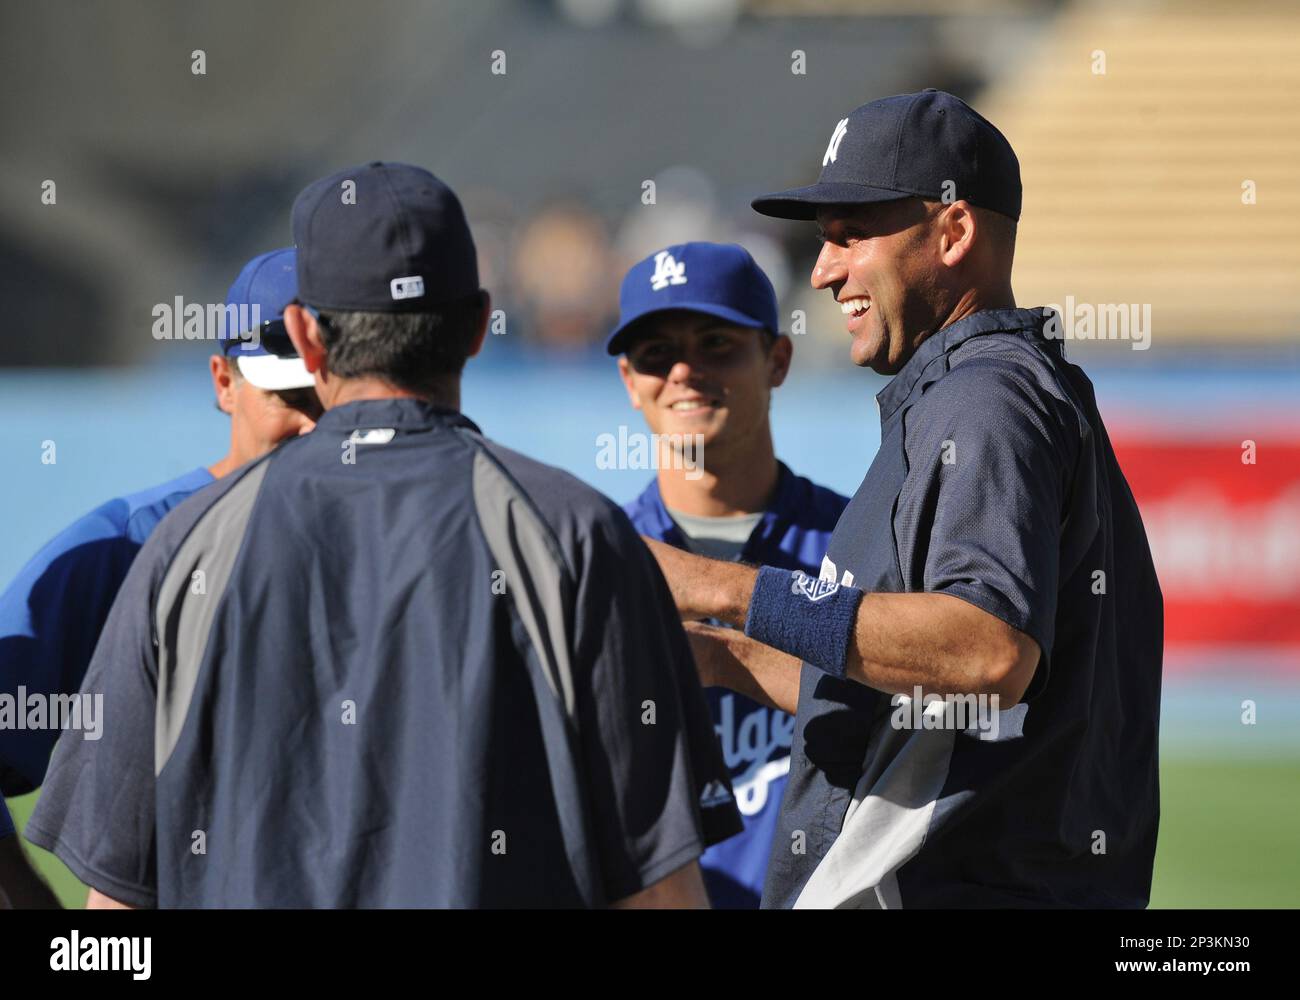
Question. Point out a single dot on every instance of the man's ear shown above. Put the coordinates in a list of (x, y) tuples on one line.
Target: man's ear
[(958, 229), (304, 332), (223, 382), (485, 313), (779, 358), (625, 372)]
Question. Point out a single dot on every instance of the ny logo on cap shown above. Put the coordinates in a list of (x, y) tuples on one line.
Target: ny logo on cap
[(667, 272), (407, 288), (833, 147)]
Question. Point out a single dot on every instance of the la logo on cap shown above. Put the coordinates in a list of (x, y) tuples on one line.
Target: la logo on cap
[(411, 287), (667, 272), (833, 147)]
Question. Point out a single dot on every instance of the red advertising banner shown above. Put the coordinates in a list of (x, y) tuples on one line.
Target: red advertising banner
[(1223, 520)]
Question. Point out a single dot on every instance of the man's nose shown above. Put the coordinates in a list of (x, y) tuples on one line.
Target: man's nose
[(829, 267), (681, 369), (306, 425)]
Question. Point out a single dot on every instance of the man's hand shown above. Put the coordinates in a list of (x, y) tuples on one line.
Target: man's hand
[(707, 651), (705, 588), (680, 890), (727, 658)]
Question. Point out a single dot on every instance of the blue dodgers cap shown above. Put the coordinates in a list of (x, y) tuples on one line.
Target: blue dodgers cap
[(930, 145), (720, 279), (255, 303), (383, 237)]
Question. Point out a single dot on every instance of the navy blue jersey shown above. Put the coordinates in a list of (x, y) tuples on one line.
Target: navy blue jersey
[(390, 664), (996, 484), (52, 614), (6, 821), (792, 534)]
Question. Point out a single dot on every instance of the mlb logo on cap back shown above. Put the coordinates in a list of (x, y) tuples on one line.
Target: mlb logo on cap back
[(383, 237), (407, 288)]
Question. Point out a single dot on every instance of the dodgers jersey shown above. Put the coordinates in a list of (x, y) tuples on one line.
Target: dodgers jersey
[(793, 534), (52, 613)]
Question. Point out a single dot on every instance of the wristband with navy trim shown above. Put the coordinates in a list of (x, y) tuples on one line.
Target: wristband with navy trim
[(803, 616)]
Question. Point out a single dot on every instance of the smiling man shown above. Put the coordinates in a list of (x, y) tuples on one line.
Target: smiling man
[(702, 354), (993, 551)]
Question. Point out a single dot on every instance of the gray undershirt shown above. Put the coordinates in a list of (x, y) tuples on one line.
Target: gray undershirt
[(716, 537)]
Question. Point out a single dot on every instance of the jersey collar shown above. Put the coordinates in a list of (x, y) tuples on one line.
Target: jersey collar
[(403, 413), (918, 370), (779, 510)]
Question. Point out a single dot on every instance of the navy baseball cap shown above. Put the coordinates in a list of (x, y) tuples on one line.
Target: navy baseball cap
[(930, 145), (383, 237), (720, 279), (265, 354)]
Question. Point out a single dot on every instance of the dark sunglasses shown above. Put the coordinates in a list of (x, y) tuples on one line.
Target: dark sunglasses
[(303, 400), (272, 335)]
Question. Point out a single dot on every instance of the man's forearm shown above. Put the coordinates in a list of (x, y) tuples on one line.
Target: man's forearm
[(705, 588), (940, 644), (733, 586), (730, 659)]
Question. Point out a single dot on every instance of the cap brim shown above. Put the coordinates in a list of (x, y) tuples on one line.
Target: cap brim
[(617, 342), (266, 371), (803, 202)]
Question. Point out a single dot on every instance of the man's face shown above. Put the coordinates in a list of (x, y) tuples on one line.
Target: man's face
[(691, 373), (883, 268), (261, 418)]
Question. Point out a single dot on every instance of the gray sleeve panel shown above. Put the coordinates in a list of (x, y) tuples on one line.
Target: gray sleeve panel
[(184, 618), (642, 784), (541, 594), (523, 547)]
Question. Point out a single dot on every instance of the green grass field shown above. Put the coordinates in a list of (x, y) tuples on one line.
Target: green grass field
[(1229, 832)]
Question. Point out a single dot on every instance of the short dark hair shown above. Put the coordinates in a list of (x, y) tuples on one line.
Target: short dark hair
[(414, 351)]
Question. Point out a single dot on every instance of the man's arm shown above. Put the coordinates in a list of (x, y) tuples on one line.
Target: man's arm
[(51, 616), (20, 885), (981, 617), (682, 890), (898, 642)]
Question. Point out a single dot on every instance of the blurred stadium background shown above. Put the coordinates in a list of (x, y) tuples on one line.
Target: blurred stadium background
[(1158, 144)]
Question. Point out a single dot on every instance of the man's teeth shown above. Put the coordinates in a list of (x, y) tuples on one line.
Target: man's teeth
[(855, 305), (687, 404)]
